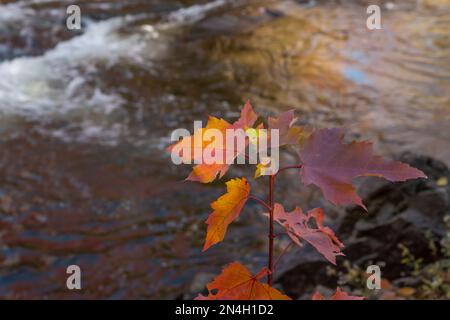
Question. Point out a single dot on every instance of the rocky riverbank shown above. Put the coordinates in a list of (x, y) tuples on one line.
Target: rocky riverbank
[(404, 232)]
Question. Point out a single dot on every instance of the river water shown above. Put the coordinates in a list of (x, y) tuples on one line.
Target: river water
[(85, 117)]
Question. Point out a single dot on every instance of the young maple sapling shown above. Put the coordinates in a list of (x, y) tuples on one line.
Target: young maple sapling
[(324, 161)]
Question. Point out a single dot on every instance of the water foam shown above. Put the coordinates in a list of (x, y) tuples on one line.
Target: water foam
[(55, 83), (50, 83)]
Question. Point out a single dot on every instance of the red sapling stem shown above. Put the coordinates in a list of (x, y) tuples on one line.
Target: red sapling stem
[(271, 234)]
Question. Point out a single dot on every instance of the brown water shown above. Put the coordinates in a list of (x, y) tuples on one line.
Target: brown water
[(85, 117)]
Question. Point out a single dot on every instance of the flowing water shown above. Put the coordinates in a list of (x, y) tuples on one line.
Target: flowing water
[(85, 117)]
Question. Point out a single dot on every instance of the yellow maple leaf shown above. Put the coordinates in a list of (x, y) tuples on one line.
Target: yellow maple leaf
[(226, 209)]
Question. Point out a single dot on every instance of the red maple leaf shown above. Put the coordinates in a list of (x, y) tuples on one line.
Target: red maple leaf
[(288, 133), (297, 227), (331, 165)]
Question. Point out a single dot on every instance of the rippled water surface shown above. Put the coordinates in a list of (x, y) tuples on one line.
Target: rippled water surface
[(85, 117)]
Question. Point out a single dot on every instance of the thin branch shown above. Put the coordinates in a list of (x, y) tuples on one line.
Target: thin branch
[(271, 234), (261, 202), (272, 179), (299, 166)]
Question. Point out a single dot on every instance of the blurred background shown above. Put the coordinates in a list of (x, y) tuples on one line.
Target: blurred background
[(85, 117)]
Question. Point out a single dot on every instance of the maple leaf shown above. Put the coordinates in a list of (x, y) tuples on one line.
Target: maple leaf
[(208, 172), (339, 295), (332, 165), (226, 209), (288, 133), (255, 134), (237, 283), (196, 143), (248, 117), (297, 227)]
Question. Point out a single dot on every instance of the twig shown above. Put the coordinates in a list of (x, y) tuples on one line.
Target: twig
[(261, 202)]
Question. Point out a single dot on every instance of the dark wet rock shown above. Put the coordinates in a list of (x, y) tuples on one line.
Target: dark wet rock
[(409, 213), (238, 21), (305, 277)]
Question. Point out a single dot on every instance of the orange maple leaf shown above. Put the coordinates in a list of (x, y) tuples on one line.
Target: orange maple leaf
[(237, 283), (339, 295), (197, 144), (226, 209)]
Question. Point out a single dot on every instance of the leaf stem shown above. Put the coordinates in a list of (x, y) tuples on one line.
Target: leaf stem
[(261, 202), (299, 166), (271, 233)]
